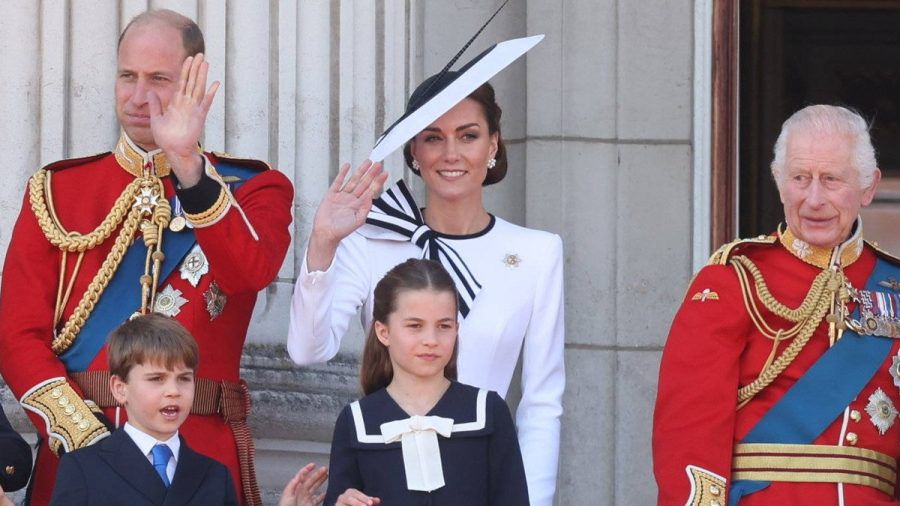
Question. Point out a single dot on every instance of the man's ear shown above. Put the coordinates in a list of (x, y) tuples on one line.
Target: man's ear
[(869, 193), (381, 332), (119, 389)]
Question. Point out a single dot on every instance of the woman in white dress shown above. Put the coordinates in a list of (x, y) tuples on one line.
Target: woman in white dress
[(510, 278)]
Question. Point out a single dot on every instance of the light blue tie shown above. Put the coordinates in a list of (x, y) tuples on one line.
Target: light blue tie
[(161, 455)]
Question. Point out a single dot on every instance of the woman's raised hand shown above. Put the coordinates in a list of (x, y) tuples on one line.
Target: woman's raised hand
[(343, 210)]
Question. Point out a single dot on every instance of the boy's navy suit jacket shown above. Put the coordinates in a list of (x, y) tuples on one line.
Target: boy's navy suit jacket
[(114, 472)]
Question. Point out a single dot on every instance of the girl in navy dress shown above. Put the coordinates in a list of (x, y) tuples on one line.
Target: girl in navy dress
[(418, 436)]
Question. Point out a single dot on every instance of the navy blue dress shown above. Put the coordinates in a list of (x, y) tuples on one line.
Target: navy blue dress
[(15, 457), (481, 461)]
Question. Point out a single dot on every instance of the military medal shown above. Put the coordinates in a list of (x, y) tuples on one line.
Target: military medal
[(194, 266), (891, 283), (879, 313), (178, 223), (881, 410), (895, 370), (215, 300), (146, 201), (169, 301)]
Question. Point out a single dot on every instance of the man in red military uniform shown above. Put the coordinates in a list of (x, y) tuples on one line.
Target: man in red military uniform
[(779, 381), (156, 225)]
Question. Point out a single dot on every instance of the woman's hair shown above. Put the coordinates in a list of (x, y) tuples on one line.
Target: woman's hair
[(486, 98), (376, 371)]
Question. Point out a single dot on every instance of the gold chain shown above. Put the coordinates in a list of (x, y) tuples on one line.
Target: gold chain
[(815, 306), (126, 211)]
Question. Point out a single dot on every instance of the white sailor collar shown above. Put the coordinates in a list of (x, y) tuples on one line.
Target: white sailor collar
[(465, 405)]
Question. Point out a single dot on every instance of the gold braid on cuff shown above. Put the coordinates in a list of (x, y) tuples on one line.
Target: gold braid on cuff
[(707, 488), (71, 423), (213, 214)]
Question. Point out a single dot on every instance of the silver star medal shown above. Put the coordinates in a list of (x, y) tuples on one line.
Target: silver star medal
[(146, 201), (881, 411), (169, 302), (895, 370), (194, 266), (215, 300)]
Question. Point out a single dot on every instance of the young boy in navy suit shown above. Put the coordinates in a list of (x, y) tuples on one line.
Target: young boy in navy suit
[(152, 360)]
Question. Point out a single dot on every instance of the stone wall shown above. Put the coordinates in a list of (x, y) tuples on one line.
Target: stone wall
[(598, 122)]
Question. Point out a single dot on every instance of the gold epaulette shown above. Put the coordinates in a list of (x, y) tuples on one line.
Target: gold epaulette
[(70, 421), (884, 254), (721, 255), (73, 162)]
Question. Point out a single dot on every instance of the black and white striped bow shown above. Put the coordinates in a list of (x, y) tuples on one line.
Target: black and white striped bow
[(396, 211)]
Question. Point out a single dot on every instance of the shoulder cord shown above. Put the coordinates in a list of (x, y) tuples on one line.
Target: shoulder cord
[(815, 306), (126, 211)]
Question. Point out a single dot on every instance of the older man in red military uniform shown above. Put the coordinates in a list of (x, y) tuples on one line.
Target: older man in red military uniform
[(779, 381), (156, 225)]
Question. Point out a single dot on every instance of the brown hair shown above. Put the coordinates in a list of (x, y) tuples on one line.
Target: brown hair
[(191, 36), (151, 338), (376, 371), (486, 98)]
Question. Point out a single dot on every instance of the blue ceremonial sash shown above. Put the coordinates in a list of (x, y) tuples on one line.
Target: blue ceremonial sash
[(122, 295), (813, 403)]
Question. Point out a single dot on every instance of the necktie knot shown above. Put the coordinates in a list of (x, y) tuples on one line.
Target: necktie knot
[(161, 455)]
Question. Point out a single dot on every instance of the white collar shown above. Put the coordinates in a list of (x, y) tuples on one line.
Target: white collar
[(145, 442)]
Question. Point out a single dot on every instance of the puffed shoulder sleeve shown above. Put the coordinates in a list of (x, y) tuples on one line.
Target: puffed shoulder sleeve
[(324, 302), (693, 423), (543, 380), (343, 470), (507, 483)]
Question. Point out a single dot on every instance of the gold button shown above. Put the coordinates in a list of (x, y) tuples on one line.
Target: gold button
[(55, 393), (714, 490), (852, 438), (10, 470), (63, 401), (715, 502), (83, 425), (69, 409), (77, 417), (854, 414)]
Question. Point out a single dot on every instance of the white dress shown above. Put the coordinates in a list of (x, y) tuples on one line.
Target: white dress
[(519, 307)]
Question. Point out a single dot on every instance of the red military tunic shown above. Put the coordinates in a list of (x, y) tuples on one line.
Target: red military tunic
[(245, 245), (714, 347)]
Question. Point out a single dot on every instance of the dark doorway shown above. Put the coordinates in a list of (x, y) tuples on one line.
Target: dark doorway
[(794, 53)]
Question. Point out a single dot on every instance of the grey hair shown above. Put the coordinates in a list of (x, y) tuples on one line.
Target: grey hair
[(829, 119)]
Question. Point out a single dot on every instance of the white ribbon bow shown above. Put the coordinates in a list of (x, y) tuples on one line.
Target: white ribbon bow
[(421, 454)]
